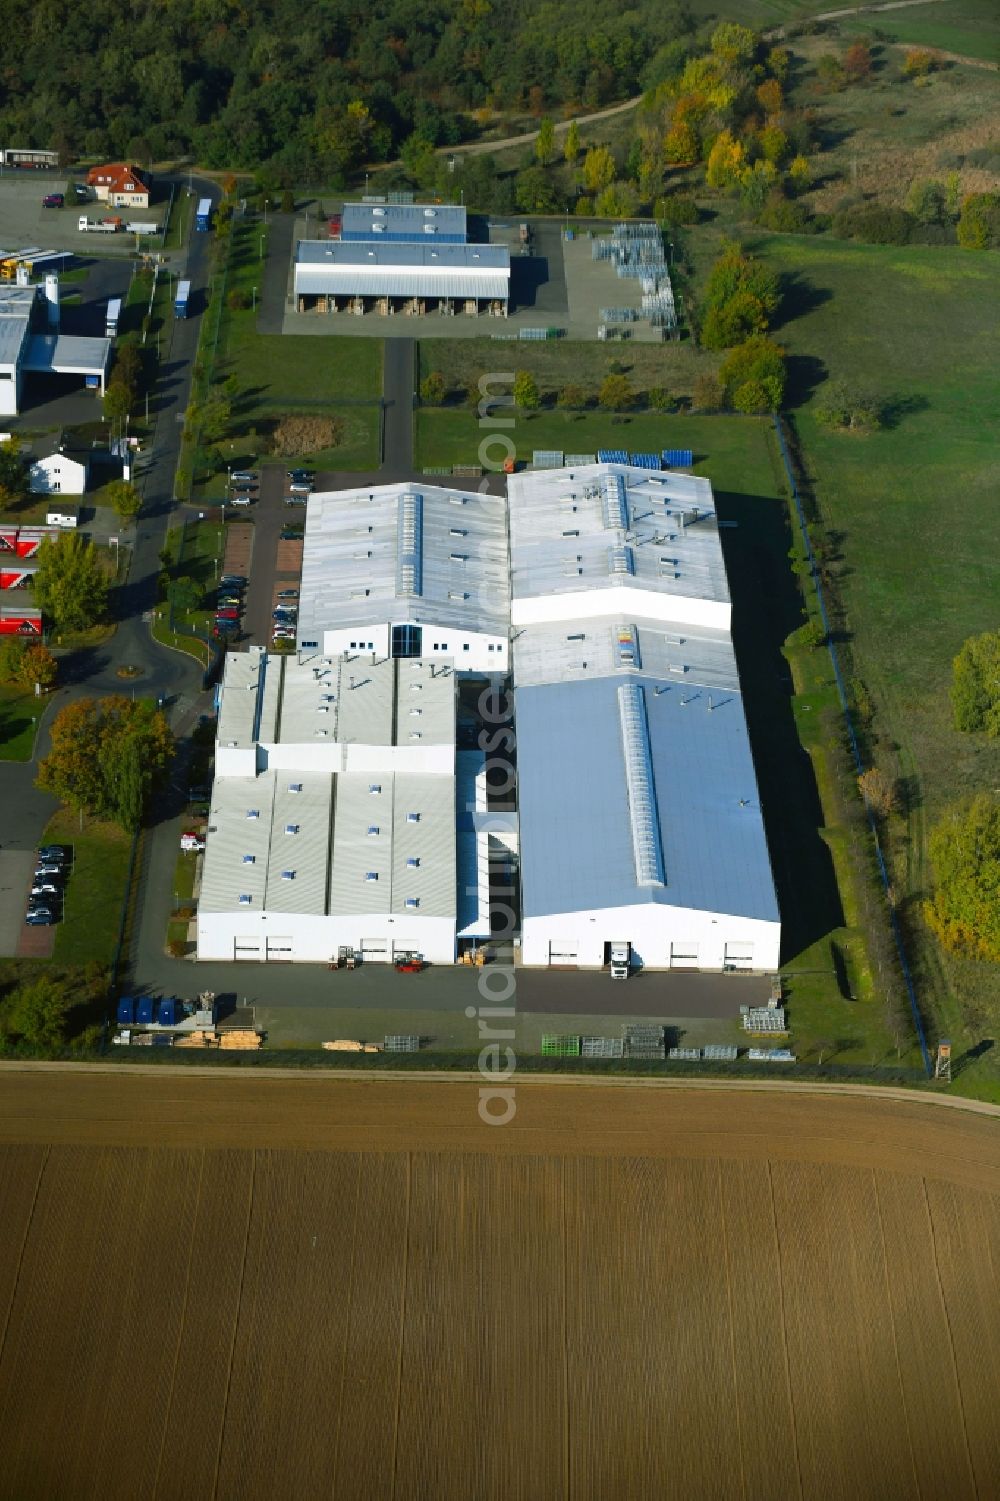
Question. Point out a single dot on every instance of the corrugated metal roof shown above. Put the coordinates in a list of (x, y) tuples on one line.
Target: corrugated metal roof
[(382, 824), (572, 649), (67, 354), (351, 555), (15, 312), (575, 829), (331, 267), (408, 219), (566, 532)]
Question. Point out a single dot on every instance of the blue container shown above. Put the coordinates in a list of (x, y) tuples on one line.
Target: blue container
[(144, 1010), (166, 1013), (126, 1011), (569, 234)]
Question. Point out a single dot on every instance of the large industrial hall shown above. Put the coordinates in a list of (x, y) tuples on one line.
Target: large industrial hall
[(348, 811)]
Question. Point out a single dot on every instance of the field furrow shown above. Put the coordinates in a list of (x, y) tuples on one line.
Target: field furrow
[(964, 1224), (849, 1414), (750, 1257), (281, 1411), (20, 1175)]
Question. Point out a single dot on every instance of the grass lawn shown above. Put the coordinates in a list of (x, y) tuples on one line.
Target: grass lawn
[(968, 27), (913, 513), (452, 435), (19, 712), (556, 363), (198, 548), (95, 890)]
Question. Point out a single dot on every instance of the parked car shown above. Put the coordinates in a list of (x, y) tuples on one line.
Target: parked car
[(300, 487), (237, 580), (241, 500), (233, 601), (190, 840), (284, 617), (223, 628), (296, 500), (52, 200), (301, 476), (292, 533), (41, 919), (244, 476), (288, 594), (46, 870), (46, 888), (54, 852), (282, 634)]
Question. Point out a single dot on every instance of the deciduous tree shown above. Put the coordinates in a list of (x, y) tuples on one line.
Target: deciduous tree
[(616, 393), (526, 393), (754, 375), (107, 756), (598, 169), (124, 497), (964, 911), (545, 142), (70, 583), (975, 685)]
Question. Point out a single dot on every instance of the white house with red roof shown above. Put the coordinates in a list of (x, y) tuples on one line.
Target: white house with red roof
[(119, 185)]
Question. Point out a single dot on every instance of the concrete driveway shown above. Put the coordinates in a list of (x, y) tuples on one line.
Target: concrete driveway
[(16, 867)]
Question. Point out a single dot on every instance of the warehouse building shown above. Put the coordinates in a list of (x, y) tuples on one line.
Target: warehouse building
[(639, 816), (407, 571), (397, 223), (333, 818), (406, 278), (31, 344)]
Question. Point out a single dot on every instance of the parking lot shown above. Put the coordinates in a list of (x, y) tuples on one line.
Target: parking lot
[(25, 222)]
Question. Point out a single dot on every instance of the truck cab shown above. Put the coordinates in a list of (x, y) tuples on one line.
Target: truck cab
[(621, 960)]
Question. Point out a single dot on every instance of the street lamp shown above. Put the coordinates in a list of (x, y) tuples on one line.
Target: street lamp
[(254, 307), (262, 247)]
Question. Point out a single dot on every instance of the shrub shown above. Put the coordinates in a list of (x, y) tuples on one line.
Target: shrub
[(873, 223), (300, 435), (708, 394), (879, 792), (660, 399), (572, 396), (678, 208), (238, 300), (964, 912), (979, 222), (433, 389), (753, 375), (616, 393), (849, 408), (975, 685), (919, 62)]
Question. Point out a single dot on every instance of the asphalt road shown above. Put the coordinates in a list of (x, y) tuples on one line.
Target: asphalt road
[(398, 393)]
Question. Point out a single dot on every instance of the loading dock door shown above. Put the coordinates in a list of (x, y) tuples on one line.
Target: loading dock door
[(248, 949), (739, 956), (684, 955), (375, 950), (279, 950), (563, 951)]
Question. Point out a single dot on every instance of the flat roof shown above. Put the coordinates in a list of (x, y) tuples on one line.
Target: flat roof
[(65, 354), (577, 830), (604, 525), (359, 268), (402, 219), (404, 553), (258, 830), (15, 312)]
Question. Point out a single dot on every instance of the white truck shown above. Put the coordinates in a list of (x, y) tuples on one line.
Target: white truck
[(621, 959), (109, 226)]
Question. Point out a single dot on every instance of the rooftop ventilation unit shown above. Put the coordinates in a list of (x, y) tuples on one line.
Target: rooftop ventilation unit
[(613, 503), (413, 862), (249, 859), (375, 787), (413, 901), (291, 828), (621, 562), (373, 830), (253, 813), (288, 875), (244, 899), (413, 818), (371, 875)]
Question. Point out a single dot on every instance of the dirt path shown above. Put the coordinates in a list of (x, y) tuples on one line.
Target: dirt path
[(480, 148)]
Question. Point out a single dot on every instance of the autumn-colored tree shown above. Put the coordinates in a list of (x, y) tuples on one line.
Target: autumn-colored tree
[(545, 142), (433, 389), (616, 393), (526, 393), (681, 144), (778, 62), (708, 393), (830, 72), (38, 665), (70, 582), (979, 222), (38, 1012), (598, 169), (725, 161), (618, 201), (770, 96), (799, 173), (584, 207), (774, 144), (919, 62), (107, 756), (117, 402), (879, 792), (733, 43), (572, 396), (964, 912), (571, 145), (756, 183), (858, 61)]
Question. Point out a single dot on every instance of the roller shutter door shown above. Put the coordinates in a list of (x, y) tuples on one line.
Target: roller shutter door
[(684, 955), (563, 951), (375, 950)]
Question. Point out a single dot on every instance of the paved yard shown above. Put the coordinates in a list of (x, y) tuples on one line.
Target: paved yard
[(16, 867)]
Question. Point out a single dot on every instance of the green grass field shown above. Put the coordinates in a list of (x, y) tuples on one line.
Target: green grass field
[(96, 888), (913, 510), (970, 28), (19, 713), (557, 362)]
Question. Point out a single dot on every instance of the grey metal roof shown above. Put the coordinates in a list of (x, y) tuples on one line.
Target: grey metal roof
[(577, 850), (249, 817), (342, 700), (607, 524), (65, 354), (402, 219), (571, 649), (378, 833), (15, 311), (401, 270), (351, 556)]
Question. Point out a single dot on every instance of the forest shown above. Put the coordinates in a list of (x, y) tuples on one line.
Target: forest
[(312, 91)]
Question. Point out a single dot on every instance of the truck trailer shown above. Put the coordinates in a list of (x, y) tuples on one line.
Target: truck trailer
[(111, 318), (142, 229), (181, 299), (203, 214)]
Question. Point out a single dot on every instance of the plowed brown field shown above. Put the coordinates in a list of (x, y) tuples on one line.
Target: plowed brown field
[(266, 1287)]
